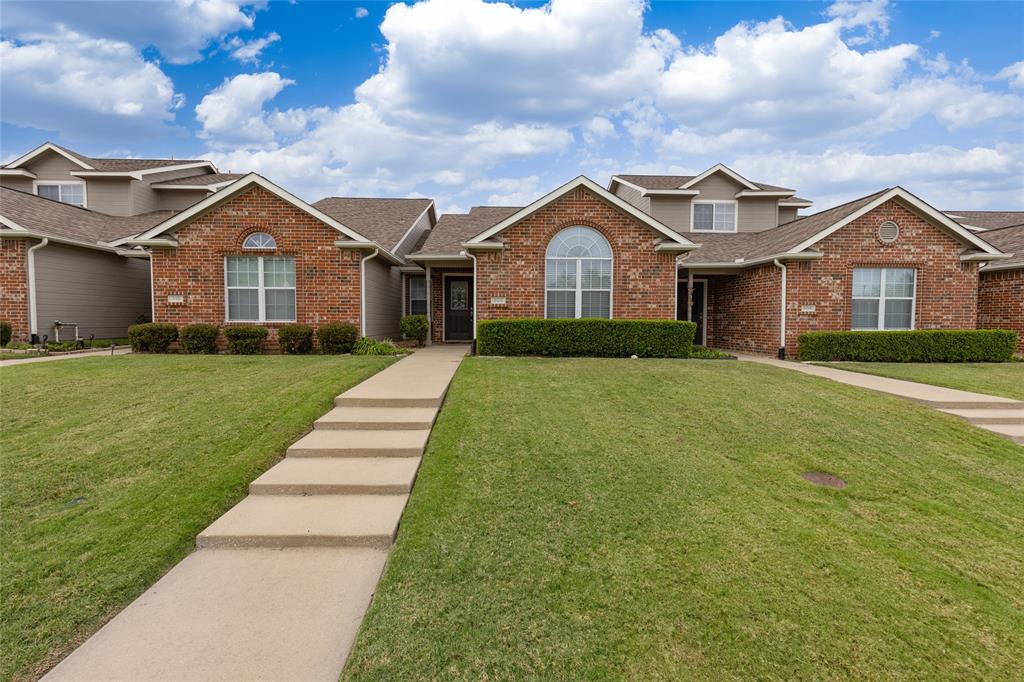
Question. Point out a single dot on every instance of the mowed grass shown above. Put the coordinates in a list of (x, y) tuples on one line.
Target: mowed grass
[(647, 520), (110, 466), (993, 378)]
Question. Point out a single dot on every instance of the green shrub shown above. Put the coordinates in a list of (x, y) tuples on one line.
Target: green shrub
[(5, 332), (586, 338), (926, 345), (337, 338), (245, 339), (415, 327), (152, 337), (368, 346), (199, 338), (295, 338)]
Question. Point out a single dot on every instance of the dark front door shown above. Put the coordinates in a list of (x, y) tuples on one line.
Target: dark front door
[(458, 309), (697, 315)]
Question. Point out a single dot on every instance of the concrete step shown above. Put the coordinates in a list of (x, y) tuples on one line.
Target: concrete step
[(1011, 416), (378, 418), (1014, 432), (339, 443), (307, 521), (338, 476), (994, 404), (344, 401)]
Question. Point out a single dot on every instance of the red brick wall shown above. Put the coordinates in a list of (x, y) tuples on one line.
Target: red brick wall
[(743, 310), (1001, 302), (643, 280), (326, 278), (14, 286)]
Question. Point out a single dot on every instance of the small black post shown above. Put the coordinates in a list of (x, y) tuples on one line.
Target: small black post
[(782, 352)]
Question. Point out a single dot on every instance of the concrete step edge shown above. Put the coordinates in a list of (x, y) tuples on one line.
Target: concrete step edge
[(329, 488), (377, 541), (972, 405), (994, 420), (342, 401), (332, 425), (354, 452)]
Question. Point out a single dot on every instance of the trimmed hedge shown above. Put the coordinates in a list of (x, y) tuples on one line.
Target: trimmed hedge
[(198, 338), (415, 327), (152, 337), (295, 339), (5, 332), (245, 339), (337, 338), (586, 338), (368, 346), (926, 345)]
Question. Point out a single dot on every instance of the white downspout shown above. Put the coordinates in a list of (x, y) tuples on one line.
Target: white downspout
[(475, 302), (362, 291), (30, 258), (782, 313), (430, 311)]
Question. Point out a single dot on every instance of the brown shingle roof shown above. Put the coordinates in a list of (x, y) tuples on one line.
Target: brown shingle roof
[(207, 179), (676, 181), (125, 165), (453, 229), (987, 220), (1008, 240), (59, 220), (384, 221)]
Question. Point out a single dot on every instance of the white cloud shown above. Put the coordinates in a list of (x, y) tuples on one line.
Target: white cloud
[(597, 130), (362, 12), (179, 30), (248, 52), (934, 35), (872, 16), (232, 114), (1014, 73), (84, 87), (508, 191)]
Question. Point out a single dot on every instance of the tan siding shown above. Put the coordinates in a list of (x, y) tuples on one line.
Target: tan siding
[(383, 300), (718, 186), (634, 197), (52, 166), (146, 199), (109, 196), (14, 182), (756, 214), (674, 211), (418, 228), (102, 292), (787, 214), (178, 199)]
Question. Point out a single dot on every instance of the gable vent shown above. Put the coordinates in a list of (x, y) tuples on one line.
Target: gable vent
[(888, 232)]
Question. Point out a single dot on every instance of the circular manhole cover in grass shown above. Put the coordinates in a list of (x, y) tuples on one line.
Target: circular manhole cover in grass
[(828, 480)]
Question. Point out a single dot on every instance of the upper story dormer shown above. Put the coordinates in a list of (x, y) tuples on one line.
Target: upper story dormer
[(718, 201), (119, 187)]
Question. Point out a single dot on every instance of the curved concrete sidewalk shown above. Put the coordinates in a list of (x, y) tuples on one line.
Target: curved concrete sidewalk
[(999, 415), (280, 583), (70, 356)]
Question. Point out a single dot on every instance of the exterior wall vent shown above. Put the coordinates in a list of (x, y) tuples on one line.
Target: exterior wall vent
[(888, 232)]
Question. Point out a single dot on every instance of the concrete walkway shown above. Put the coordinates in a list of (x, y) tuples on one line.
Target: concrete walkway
[(70, 356), (280, 583), (1003, 416)]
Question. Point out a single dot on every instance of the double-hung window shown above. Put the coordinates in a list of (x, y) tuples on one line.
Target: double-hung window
[(883, 298), (418, 296), (67, 192), (714, 216), (579, 274), (260, 288)]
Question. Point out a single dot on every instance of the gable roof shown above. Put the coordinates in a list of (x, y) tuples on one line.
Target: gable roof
[(987, 220), (205, 181), (1008, 239), (719, 168), (582, 181), (454, 229), (385, 221), (103, 165), (661, 183)]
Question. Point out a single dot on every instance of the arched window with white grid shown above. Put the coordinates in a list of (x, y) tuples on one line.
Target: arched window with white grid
[(578, 282)]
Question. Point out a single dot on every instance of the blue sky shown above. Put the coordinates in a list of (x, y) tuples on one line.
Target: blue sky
[(476, 103)]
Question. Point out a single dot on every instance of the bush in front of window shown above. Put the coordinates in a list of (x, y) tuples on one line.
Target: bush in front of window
[(368, 346), (586, 338), (5, 332), (198, 338), (245, 339), (152, 337), (295, 339), (924, 345), (415, 327), (337, 338)]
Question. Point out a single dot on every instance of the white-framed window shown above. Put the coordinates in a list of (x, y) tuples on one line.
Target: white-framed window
[(260, 288), (578, 282), (66, 192), (713, 216), (259, 240), (417, 295), (883, 298)]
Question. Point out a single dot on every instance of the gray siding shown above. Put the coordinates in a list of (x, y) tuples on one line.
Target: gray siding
[(178, 199), (756, 214), (145, 199), (383, 300), (52, 166), (718, 186), (102, 292), (787, 214), (14, 182), (111, 196), (674, 211), (418, 228), (634, 197)]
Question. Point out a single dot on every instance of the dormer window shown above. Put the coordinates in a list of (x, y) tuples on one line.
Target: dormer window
[(259, 241), (713, 216), (66, 192)]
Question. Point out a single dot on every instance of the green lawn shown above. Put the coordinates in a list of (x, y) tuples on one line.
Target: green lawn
[(109, 467), (994, 378), (610, 519)]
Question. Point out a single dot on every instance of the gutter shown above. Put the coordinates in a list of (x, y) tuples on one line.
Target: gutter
[(782, 312), (367, 246), (741, 263), (362, 290), (96, 246), (33, 321)]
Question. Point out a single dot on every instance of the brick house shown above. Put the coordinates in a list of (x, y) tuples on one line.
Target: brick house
[(1001, 284)]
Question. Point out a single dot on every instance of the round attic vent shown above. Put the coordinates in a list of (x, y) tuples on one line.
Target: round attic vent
[(888, 232)]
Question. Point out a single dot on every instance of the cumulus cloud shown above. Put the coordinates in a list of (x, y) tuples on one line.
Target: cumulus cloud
[(1014, 73), (232, 114), (84, 86), (362, 12), (248, 51)]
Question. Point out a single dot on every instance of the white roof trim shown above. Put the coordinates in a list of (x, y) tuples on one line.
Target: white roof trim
[(212, 186), (47, 147), (7, 222), (19, 172), (898, 192), (647, 192), (764, 193), (583, 181), (796, 204), (138, 175), (22, 233), (996, 267), (236, 187), (720, 168), (743, 263), (405, 236)]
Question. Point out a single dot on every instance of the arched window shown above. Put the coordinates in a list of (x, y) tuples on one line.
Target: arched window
[(579, 274), (259, 240)]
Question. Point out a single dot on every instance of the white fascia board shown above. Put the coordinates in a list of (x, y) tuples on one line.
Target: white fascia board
[(211, 187), (482, 246), (998, 267), (167, 243), (796, 204), (430, 207), (674, 247), (978, 256), (47, 147), (17, 172), (130, 175), (616, 179), (720, 168), (898, 192), (437, 257), (649, 192), (601, 192), (140, 174), (370, 246), (178, 167), (238, 186), (763, 260), (763, 193), (7, 222), (31, 234)]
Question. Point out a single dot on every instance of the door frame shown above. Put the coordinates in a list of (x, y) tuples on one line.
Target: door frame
[(704, 310), (444, 305)]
